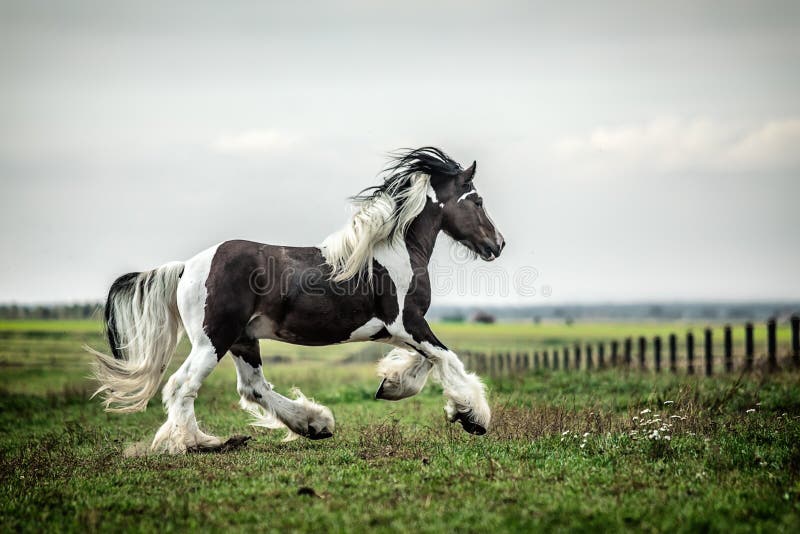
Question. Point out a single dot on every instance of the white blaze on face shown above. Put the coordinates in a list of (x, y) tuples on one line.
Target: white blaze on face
[(465, 195)]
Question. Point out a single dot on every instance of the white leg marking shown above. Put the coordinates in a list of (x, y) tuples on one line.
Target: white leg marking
[(465, 392), (180, 431), (404, 374), (300, 417)]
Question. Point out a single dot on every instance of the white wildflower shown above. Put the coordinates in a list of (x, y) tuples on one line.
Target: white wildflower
[(646, 410), (751, 410)]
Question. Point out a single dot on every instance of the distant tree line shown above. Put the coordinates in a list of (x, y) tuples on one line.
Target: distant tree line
[(57, 311)]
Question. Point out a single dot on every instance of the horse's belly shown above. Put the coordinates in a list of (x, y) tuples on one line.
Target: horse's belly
[(314, 333)]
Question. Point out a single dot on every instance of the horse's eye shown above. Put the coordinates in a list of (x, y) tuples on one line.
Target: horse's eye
[(479, 201)]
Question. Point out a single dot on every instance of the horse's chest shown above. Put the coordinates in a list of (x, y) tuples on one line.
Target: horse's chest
[(397, 263)]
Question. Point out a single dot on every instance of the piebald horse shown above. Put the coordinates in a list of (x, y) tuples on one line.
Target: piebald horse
[(366, 282)]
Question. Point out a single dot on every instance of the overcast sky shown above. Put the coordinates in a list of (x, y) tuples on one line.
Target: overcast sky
[(630, 151)]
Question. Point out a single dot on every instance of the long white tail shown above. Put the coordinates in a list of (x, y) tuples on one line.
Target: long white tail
[(143, 327)]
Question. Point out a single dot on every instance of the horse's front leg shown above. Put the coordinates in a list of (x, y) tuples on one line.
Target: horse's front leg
[(466, 394), (404, 372)]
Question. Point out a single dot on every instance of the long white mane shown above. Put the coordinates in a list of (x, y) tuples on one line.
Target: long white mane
[(383, 217)]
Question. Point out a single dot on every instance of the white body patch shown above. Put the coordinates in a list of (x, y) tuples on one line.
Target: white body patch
[(192, 291), (397, 262), (367, 330)]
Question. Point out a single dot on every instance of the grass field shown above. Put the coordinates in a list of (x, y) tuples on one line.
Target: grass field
[(566, 451)]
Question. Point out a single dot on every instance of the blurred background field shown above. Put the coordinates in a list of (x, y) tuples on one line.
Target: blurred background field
[(37, 356)]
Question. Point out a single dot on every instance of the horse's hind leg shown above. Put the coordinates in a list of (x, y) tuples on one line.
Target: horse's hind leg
[(300, 416), (180, 432)]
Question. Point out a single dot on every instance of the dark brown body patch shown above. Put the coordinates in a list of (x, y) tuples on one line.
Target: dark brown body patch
[(289, 287)]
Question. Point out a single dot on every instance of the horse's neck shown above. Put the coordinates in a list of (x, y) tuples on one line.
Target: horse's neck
[(421, 237)]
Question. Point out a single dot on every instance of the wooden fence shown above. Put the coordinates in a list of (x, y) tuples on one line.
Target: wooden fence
[(642, 353)]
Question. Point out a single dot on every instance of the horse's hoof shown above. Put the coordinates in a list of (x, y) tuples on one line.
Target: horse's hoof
[(391, 392), (322, 434), (381, 393), (469, 425), (232, 444)]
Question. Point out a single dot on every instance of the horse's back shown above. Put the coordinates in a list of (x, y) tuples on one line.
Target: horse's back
[(277, 292)]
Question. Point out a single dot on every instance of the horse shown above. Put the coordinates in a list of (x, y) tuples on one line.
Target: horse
[(367, 282)]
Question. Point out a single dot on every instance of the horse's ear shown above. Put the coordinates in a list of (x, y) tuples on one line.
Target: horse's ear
[(469, 172)]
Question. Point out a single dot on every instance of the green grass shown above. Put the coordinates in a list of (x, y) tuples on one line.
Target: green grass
[(400, 466)]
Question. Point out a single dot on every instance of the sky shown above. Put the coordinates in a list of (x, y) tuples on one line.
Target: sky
[(628, 151)]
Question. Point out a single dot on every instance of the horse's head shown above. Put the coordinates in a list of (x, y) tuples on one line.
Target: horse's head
[(464, 216)]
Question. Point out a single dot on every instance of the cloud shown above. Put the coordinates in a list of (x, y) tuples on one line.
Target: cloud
[(673, 145), (254, 142)]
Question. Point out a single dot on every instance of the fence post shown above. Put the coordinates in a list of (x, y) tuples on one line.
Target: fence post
[(709, 354), (589, 358), (673, 353), (526, 359), (565, 350), (601, 355), (749, 347), (555, 359), (628, 347), (690, 353), (536, 360), (728, 349), (642, 353), (546, 357), (657, 353), (500, 363), (509, 364), (795, 320), (518, 362), (577, 357), (772, 352), (614, 349)]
